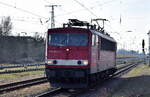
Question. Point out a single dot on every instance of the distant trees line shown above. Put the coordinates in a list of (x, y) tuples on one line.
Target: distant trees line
[(6, 26)]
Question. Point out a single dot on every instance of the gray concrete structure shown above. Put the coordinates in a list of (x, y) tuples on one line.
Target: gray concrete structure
[(21, 50)]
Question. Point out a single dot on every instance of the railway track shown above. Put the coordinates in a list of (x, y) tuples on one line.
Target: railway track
[(53, 91), (75, 93), (58, 92), (18, 85), (7, 68), (124, 69)]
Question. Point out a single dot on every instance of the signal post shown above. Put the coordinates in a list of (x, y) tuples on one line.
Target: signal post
[(148, 61)]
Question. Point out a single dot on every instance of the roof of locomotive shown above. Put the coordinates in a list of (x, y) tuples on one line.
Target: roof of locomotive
[(68, 29), (103, 35)]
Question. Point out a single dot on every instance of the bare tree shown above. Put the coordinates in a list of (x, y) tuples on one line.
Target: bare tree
[(5, 26), (37, 36)]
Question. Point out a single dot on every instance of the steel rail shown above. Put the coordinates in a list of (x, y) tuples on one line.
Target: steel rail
[(23, 70), (18, 65), (76, 93), (22, 84), (120, 71), (51, 92), (126, 68), (36, 64)]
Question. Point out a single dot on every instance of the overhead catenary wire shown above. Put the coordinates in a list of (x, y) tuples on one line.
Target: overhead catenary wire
[(88, 9), (85, 8), (46, 1), (66, 12), (71, 12), (107, 2), (22, 20), (23, 10), (81, 4)]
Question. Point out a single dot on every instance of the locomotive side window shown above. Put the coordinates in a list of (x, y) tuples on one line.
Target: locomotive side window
[(68, 39), (97, 39), (93, 40), (107, 45)]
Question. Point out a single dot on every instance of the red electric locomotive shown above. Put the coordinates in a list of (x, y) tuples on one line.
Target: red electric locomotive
[(77, 56)]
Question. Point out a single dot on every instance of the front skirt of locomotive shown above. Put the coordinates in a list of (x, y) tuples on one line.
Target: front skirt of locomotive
[(67, 77)]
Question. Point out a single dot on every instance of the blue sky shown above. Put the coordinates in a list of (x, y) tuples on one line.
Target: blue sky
[(134, 14)]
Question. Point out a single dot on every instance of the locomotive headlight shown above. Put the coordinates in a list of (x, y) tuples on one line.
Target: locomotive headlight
[(85, 62), (49, 62)]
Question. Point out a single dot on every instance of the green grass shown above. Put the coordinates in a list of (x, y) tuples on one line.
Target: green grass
[(136, 83), (16, 75), (138, 71), (122, 55), (26, 63), (22, 68)]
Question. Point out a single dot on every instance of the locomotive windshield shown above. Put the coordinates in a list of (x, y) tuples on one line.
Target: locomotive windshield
[(68, 39)]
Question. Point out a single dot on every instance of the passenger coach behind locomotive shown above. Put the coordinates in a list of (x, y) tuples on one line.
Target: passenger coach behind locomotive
[(76, 57)]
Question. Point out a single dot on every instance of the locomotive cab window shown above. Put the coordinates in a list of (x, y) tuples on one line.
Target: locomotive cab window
[(68, 39), (107, 45)]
